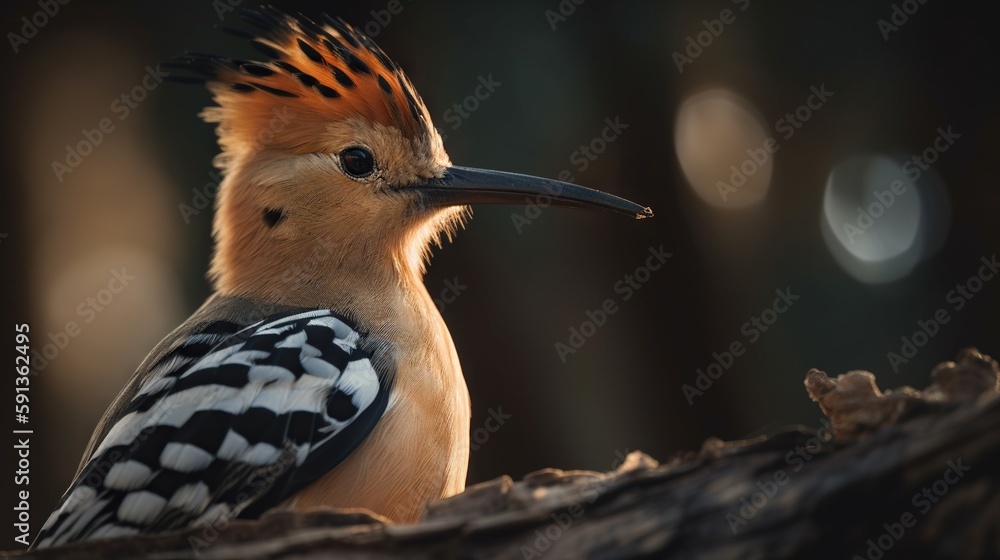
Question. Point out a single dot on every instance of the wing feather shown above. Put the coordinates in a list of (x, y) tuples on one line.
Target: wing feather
[(227, 425)]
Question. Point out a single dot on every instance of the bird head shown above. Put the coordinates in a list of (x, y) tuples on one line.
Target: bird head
[(332, 165)]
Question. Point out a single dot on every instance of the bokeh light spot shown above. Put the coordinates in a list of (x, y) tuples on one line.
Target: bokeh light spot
[(721, 144), (881, 218)]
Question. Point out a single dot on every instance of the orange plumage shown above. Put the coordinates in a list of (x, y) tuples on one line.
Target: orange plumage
[(318, 74)]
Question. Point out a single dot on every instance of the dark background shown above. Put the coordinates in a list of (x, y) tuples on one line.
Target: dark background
[(622, 390)]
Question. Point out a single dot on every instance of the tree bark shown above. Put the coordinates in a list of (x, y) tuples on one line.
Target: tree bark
[(900, 474)]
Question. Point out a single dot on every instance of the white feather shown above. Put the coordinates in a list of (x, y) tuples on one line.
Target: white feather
[(190, 497), (296, 340), (232, 446), (263, 373), (111, 531), (360, 381), (185, 457), (127, 475), (141, 507), (261, 454)]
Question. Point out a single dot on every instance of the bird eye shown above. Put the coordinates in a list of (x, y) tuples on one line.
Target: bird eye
[(357, 162)]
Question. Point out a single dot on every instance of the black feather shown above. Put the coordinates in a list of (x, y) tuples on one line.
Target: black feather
[(327, 91), (342, 78), (309, 51), (272, 90), (257, 70)]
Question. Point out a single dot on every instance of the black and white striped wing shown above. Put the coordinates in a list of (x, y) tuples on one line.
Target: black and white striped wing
[(227, 428)]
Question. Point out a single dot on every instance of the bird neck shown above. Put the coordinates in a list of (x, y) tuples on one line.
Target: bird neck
[(363, 282), (372, 279)]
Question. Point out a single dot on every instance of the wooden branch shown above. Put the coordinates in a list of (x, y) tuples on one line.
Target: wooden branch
[(910, 474)]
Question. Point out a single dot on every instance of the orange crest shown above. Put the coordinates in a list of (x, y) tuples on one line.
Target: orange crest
[(315, 75)]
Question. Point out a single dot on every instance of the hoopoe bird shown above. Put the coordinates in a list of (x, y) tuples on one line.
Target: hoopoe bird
[(320, 372)]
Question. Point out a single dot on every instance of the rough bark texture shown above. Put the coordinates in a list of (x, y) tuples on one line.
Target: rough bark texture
[(909, 474)]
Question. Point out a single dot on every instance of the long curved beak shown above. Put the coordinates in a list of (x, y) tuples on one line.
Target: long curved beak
[(467, 185)]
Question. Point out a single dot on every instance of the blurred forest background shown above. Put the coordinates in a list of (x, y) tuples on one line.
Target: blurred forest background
[(652, 101)]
